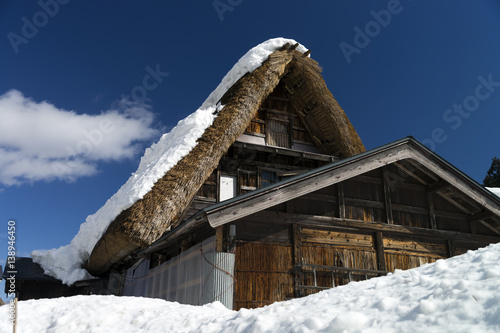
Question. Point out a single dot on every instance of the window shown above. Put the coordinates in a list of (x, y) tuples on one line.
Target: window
[(278, 134), (248, 181), (279, 126), (227, 187)]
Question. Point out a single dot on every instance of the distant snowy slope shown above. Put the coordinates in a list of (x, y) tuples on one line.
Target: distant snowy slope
[(460, 294), (65, 262)]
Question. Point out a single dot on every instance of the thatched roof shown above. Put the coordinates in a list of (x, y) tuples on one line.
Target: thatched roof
[(145, 221)]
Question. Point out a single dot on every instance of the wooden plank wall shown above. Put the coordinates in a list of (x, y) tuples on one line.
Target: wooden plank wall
[(263, 274), (308, 243)]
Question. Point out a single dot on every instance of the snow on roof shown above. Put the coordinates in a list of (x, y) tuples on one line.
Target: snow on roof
[(459, 294), (495, 190), (65, 263)]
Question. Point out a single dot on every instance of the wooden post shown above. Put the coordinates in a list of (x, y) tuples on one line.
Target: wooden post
[(297, 260), (432, 215), (472, 225), (379, 248), (340, 187), (450, 248), (219, 238), (387, 196)]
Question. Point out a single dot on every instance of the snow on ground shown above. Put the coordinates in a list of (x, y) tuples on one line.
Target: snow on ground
[(460, 294), (65, 263)]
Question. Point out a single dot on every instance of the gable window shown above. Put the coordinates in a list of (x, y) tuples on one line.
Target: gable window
[(278, 123), (278, 133)]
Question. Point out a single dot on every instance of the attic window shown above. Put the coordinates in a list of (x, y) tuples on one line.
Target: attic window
[(278, 123), (278, 134)]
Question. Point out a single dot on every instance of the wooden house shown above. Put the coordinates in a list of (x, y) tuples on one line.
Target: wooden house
[(279, 199)]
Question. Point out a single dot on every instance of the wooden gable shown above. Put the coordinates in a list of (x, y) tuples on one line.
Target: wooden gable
[(278, 123)]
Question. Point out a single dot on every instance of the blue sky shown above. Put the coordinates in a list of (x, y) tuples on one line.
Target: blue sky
[(423, 68)]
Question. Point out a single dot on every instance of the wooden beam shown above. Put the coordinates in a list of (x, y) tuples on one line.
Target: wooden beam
[(422, 169), (411, 173), (345, 269), (473, 192), (341, 197), (282, 151), (387, 197), (410, 209), (364, 203), (349, 224), (480, 216), (378, 240), (454, 203), (489, 226), (438, 186)]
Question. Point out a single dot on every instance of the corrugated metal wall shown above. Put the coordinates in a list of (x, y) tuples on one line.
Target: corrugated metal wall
[(219, 277), (187, 278)]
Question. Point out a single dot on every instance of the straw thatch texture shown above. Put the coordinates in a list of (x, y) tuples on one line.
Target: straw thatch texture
[(326, 121), (161, 208)]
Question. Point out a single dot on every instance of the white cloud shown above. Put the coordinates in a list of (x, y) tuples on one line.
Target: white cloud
[(39, 141)]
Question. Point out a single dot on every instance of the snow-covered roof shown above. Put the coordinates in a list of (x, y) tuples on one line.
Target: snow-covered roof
[(66, 262)]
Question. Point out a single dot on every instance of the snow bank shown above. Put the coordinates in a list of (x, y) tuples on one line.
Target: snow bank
[(495, 190), (460, 294), (65, 263)]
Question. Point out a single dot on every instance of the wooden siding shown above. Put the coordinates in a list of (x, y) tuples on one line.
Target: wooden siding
[(285, 255), (398, 216), (263, 274)]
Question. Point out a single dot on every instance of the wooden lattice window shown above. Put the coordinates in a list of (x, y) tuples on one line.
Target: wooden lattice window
[(248, 181), (278, 133)]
